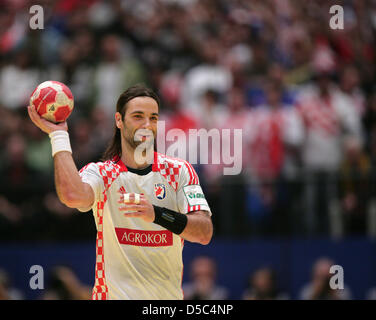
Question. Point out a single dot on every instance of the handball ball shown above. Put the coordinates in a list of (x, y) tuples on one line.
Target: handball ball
[(53, 101)]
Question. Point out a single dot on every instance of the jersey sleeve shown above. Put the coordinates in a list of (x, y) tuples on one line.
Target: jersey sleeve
[(190, 196), (90, 175)]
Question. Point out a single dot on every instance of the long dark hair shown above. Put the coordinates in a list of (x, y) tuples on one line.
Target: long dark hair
[(139, 90)]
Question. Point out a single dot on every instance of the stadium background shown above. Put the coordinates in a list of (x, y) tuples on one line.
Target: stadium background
[(254, 65)]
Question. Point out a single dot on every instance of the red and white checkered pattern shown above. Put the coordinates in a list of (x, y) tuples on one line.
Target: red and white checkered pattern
[(170, 168), (100, 290), (109, 173)]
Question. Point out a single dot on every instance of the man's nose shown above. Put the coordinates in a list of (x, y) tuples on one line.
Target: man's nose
[(147, 124)]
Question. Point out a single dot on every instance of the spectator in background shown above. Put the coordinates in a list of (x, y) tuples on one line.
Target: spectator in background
[(262, 286), (7, 291), (328, 117), (37, 149), (173, 113), (174, 120), (20, 189), (369, 124), (18, 80), (85, 40), (209, 75), (103, 129), (318, 288), (203, 286), (275, 138), (274, 125), (349, 85), (300, 72), (76, 73), (117, 69), (371, 294), (83, 143), (355, 188), (215, 114), (231, 205), (65, 285), (10, 122), (214, 111)]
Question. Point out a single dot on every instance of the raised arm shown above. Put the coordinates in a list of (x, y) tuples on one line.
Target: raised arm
[(70, 189)]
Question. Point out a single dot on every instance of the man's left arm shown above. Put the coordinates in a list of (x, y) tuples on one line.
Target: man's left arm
[(195, 226), (199, 227)]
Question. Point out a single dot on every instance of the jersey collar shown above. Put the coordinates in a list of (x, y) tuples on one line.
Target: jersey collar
[(123, 167)]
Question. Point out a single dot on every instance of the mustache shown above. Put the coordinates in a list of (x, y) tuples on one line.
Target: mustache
[(140, 133)]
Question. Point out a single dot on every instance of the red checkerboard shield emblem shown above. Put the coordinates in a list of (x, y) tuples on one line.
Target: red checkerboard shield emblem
[(160, 191)]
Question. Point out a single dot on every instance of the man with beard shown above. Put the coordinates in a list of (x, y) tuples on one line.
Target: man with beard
[(145, 204)]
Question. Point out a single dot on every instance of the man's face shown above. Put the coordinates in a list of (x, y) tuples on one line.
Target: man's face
[(140, 121)]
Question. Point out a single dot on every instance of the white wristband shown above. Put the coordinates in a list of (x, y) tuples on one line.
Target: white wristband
[(60, 141)]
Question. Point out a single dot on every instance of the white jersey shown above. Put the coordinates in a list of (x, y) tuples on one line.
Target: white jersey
[(136, 259)]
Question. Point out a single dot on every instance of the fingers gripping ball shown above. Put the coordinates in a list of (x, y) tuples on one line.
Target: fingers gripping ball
[(53, 100)]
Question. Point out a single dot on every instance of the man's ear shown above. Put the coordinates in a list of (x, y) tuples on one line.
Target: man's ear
[(118, 120)]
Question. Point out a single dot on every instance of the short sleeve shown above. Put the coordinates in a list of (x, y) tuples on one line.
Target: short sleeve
[(90, 175), (190, 196)]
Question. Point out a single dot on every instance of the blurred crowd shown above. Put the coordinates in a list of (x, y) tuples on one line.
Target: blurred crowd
[(62, 284), (263, 283), (303, 94)]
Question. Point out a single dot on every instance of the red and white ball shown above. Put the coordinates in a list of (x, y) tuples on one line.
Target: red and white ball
[(53, 100)]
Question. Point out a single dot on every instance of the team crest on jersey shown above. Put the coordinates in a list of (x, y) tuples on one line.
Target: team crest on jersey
[(160, 191)]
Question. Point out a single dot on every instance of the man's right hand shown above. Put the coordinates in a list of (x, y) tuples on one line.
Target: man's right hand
[(43, 124), (69, 187)]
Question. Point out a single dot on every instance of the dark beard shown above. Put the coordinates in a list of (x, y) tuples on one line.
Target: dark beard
[(134, 144)]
